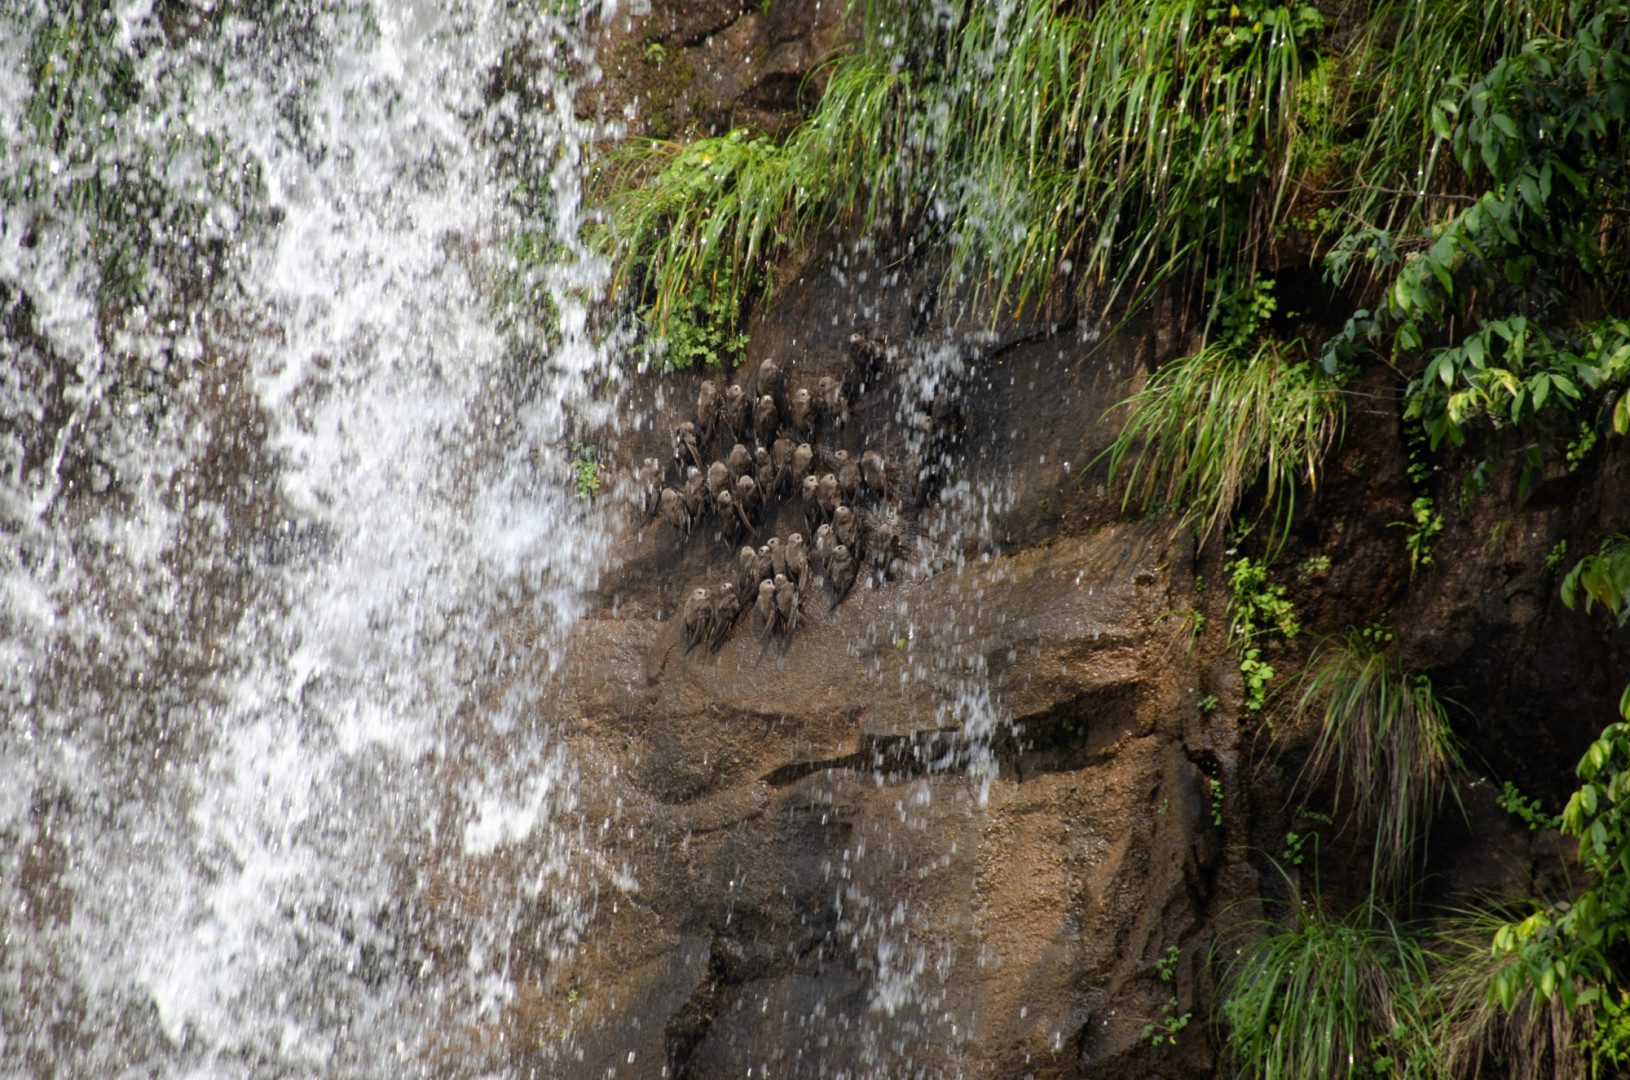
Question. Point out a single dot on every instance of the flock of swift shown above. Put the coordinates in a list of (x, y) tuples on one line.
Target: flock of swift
[(740, 490)]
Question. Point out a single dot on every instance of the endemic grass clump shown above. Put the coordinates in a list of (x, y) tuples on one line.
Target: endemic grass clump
[(1332, 997), (1056, 153), (1384, 736), (1204, 429)]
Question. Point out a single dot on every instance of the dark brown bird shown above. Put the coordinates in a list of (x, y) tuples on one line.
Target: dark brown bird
[(786, 603), (845, 529), (841, 574), (648, 483), (766, 420), (820, 552), (831, 405), (698, 616), (709, 411), (803, 463), (732, 518), (848, 472), (738, 412), (718, 479), (726, 607), (765, 606), (828, 496), (696, 495), (778, 556), (875, 474), (772, 382), (764, 470), (809, 494), (801, 414), (740, 462), (781, 455), (675, 512), (882, 544), (750, 498), (868, 357), (797, 557), (686, 452), (764, 564), (747, 578)]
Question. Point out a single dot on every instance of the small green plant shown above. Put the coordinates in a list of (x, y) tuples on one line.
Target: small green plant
[(1293, 854), (1216, 788), (1312, 567), (1424, 522), (586, 470), (655, 53), (1529, 810), (1424, 525), (1558, 553), (1580, 448), (1384, 734), (1605, 577), (1259, 607), (1243, 314), (1208, 703), (703, 332), (1190, 622), (1166, 1027), (1166, 966)]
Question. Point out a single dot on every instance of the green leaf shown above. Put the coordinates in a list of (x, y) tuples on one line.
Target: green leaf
[(1541, 387), (1530, 193)]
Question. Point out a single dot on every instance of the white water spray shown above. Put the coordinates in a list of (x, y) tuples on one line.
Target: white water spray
[(285, 510)]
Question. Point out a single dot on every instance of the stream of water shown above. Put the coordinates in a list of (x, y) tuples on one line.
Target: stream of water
[(280, 461)]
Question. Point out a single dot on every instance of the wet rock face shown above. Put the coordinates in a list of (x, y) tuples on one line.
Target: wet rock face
[(682, 70), (947, 827), (814, 855)]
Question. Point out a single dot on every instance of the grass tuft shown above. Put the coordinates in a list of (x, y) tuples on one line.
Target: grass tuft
[(1102, 147), (1332, 997), (1532, 1040), (1385, 736), (1204, 429)]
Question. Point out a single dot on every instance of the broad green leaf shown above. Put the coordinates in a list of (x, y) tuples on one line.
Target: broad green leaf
[(1541, 387), (1530, 193)]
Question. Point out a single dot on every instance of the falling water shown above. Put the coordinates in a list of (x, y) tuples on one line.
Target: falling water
[(283, 480)]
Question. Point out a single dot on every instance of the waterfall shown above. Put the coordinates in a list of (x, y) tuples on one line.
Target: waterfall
[(287, 528)]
